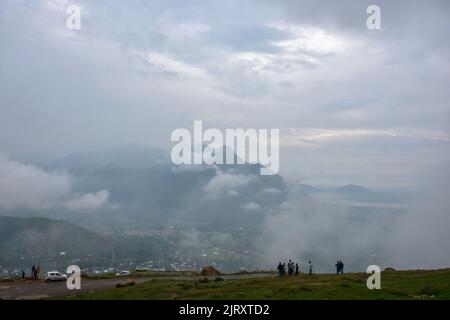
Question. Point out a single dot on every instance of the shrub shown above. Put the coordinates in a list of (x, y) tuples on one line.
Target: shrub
[(204, 280)]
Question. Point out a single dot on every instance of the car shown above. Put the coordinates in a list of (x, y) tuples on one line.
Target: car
[(123, 273), (141, 269), (55, 276)]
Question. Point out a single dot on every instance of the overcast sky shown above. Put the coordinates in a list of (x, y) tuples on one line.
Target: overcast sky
[(353, 105)]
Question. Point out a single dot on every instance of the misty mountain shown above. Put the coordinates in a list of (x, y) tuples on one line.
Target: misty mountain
[(55, 244), (361, 194), (146, 189), (44, 241), (352, 189), (308, 189)]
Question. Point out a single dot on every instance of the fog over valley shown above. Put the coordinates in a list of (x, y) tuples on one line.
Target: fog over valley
[(332, 126)]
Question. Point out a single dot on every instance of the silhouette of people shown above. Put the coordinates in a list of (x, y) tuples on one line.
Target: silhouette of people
[(280, 269), (38, 270), (290, 267), (23, 275), (339, 267), (293, 268), (33, 272)]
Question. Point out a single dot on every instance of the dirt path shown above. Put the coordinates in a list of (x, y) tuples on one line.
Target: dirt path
[(38, 290)]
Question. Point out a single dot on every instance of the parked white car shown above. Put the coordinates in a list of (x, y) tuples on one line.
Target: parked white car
[(55, 276), (141, 269), (123, 274)]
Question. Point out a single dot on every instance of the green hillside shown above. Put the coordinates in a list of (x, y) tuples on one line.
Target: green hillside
[(395, 285), (44, 241)]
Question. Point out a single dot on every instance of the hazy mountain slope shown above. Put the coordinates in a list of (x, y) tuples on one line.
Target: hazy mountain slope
[(39, 240), (147, 190), (359, 193)]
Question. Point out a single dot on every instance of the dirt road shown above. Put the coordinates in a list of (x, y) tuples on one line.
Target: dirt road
[(29, 290)]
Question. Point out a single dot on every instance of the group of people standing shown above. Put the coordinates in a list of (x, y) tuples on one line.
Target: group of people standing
[(34, 272), (292, 268), (339, 267)]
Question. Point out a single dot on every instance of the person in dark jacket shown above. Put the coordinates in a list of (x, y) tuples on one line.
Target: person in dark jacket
[(280, 269)]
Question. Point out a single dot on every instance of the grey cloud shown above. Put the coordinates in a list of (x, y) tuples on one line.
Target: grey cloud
[(89, 201), (66, 91), (412, 238), (27, 187)]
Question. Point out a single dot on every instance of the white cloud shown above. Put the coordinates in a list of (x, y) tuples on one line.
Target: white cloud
[(312, 39), (312, 136), (25, 186), (89, 201), (57, 5), (165, 63), (168, 65), (318, 135), (182, 31), (305, 47), (271, 190), (226, 183), (250, 206), (29, 187)]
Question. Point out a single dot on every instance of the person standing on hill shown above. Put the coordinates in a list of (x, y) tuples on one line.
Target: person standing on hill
[(290, 267), (296, 269), (310, 268), (33, 272), (280, 269)]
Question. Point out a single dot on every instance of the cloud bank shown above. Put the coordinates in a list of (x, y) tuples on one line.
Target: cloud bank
[(25, 186)]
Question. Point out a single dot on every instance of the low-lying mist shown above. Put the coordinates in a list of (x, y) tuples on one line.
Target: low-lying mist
[(415, 238)]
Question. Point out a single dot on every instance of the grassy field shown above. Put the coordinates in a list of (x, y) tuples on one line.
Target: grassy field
[(395, 285)]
